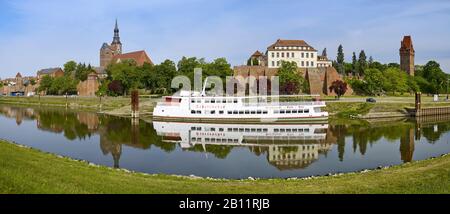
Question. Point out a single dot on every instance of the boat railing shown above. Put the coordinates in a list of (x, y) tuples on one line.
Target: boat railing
[(319, 103)]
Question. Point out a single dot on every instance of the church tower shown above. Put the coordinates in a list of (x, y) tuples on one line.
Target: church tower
[(407, 54), (116, 45), (107, 52)]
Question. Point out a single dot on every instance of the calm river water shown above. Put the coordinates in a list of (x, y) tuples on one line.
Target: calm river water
[(225, 150)]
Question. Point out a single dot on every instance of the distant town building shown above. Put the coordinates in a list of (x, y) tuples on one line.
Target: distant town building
[(19, 86), (257, 59), (52, 72), (294, 51), (113, 53), (407, 54)]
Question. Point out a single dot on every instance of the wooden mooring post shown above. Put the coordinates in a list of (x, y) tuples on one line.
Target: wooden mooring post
[(419, 111), (135, 104)]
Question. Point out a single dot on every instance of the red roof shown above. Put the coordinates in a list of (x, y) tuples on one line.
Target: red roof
[(290, 43), (140, 57)]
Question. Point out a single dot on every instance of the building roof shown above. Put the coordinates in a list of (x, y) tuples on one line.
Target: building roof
[(48, 71), (407, 44), (140, 57), (257, 54), (289, 43)]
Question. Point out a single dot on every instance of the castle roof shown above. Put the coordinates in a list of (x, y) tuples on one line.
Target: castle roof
[(140, 57), (289, 43), (105, 46)]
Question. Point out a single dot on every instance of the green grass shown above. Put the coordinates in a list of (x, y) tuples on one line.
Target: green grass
[(26, 170), (72, 102), (348, 109)]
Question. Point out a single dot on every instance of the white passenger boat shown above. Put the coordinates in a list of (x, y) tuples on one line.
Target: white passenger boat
[(196, 106)]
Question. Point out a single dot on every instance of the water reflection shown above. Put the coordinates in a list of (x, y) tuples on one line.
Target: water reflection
[(286, 148)]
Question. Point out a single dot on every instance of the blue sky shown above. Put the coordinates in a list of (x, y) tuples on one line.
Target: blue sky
[(37, 34)]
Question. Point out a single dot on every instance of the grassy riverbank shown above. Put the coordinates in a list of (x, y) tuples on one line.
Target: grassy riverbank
[(25, 170)]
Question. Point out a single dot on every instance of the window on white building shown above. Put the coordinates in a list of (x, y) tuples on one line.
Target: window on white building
[(287, 54), (273, 63), (293, 55), (307, 55), (278, 55), (307, 63), (303, 63), (312, 64), (273, 55), (278, 63), (303, 55), (312, 55), (282, 55)]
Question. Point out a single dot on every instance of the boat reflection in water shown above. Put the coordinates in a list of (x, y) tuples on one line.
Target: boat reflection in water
[(286, 146)]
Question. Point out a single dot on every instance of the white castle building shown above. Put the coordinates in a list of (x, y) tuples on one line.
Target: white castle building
[(291, 51)]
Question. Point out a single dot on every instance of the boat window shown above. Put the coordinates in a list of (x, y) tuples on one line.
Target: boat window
[(220, 112), (220, 129), (206, 139), (282, 111), (230, 129), (207, 101), (276, 130), (247, 130), (213, 112), (213, 101), (306, 130), (229, 101), (300, 111), (259, 112), (213, 129), (213, 140), (224, 101), (193, 112), (193, 128), (235, 101), (241, 130), (306, 110), (241, 112), (294, 111), (235, 112), (294, 130), (288, 130), (192, 101), (199, 101), (288, 111), (247, 112), (265, 130), (282, 130), (199, 128), (193, 139), (253, 130), (276, 112), (230, 112), (235, 129), (235, 140), (253, 112), (259, 130), (199, 112), (265, 112)]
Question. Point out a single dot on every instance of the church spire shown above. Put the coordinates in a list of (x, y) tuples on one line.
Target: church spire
[(116, 39)]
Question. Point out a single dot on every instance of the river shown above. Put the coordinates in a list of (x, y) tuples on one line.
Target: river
[(225, 150)]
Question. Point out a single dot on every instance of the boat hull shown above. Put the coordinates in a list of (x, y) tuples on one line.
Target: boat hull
[(245, 120)]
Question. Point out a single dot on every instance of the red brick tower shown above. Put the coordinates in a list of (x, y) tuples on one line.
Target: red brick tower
[(407, 54)]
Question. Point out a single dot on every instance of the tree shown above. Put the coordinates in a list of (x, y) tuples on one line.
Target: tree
[(46, 83), (354, 63), (433, 73), (291, 82), (362, 62), (374, 80), (115, 88), (339, 87), (128, 74), (395, 81), (370, 62), (324, 52), (340, 60), (69, 68), (81, 72)]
